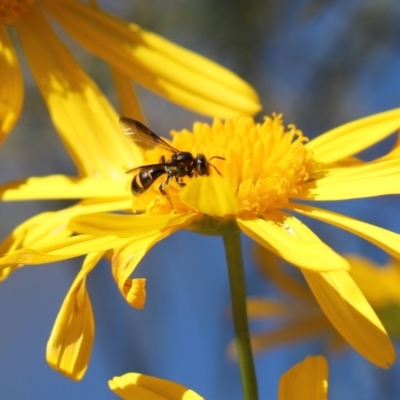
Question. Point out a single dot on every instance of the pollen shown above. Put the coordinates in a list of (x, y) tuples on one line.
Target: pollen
[(12, 11), (265, 163)]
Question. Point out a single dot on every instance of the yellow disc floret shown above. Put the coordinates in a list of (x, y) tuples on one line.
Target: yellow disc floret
[(264, 164)]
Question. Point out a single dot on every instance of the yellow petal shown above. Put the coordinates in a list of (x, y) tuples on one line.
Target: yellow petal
[(70, 344), (37, 229), (262, 308), (368, 180), (169, 70), (128, 101), (48, 226), (11, 88), (133, 386), (128, 226), (306, 380), (124, 261), (60, 249), (350, 313), (134, 292), (353, 137), (138, 233), (210, 195), (291, 240), (387, 240), (86, 122), (62, 187), (291, 332), (386, 280)]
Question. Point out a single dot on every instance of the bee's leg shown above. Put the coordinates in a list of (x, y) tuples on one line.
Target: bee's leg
[(163, 186), (162, 159), (180, 182)]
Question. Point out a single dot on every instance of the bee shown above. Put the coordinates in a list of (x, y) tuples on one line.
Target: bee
[(181, 163)]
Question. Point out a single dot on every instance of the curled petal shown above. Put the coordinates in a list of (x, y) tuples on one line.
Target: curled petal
[(125, 259), (135, 292), (133, 386), (306, 380), (11, 88), (134, 235)]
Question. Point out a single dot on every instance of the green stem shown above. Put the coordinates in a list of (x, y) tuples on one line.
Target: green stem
[(233, 250)]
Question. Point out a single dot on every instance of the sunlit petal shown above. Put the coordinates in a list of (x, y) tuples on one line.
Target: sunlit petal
[(62, 187), (350, 313), (11, 88), (387, 240), (163, 67), (60, 249), (70, 344), (51, 226), (37, 229), (306, 380), (349, 139), (133, 386), (373, 179), (211, 196), (294, 242), (128, 226), (86, 122)]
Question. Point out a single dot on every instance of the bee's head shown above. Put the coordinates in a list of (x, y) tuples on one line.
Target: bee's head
[(202, 166)]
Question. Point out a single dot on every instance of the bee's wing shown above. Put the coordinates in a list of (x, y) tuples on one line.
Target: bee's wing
[(147, 167), (142, 135)]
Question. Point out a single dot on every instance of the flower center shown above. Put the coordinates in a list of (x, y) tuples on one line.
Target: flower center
[(265, 165), (11, 11)]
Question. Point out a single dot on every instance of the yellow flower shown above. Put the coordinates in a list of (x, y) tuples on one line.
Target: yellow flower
[(171, 71), (307, 379), (266, 169), (300, 315)]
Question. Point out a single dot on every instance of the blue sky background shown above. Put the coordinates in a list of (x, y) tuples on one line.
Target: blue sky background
[(321, 64)]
